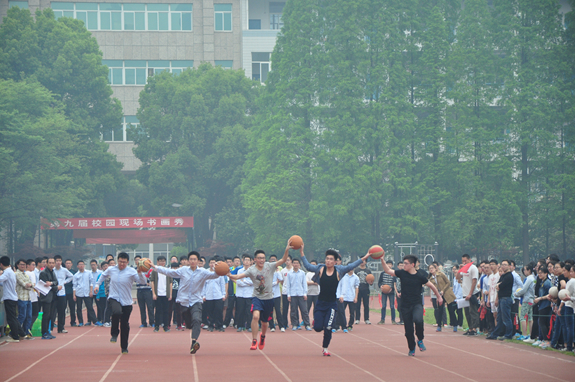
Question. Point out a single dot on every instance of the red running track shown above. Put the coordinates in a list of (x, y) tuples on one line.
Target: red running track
[(368, 353)]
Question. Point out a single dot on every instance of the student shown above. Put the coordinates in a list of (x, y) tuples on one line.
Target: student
[(145, 300), (244, 292), (527, 293), (23, 287), (296, 285), (544, 306), (411, 307), (10, 300), (70, 293), (385, 279), (83, 293), (64, 277), (313, 290), (277, 298), (362, 271), (232, 298), (30, 267), (161, 294), (214, 295), (101, 297), (48, 300), (174, 308), (458, 292), (347, 293), (285, 303), (261, 274), (441, 282), (120, 297), (504, 328)]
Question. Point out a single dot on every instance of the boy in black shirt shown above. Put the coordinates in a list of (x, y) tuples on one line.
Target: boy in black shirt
[(411, 304), (504, 296)]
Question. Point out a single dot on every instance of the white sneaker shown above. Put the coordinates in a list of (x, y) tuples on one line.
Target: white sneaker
[(232, 322), (283, 330), (272, 329), (544, 345), (529, 341), (10, 339), (205, 327), (223, 326), (537, 343), (107, 324), (367, 322), (356, 322)]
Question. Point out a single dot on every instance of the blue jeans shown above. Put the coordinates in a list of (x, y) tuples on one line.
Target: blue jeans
[(568, 330), (504, 321), (25, 314), (391, 297), (558, 327)]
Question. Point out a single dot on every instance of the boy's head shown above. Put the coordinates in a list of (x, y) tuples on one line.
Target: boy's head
[(237, 261), (247, 261), (94, 265), (296, 265), (161, 261), (260, 257)]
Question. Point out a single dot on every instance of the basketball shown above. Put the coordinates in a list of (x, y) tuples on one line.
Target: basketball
[(562, 294), (553, 292), (222, 268), (376, 252), (386, 289), (369, 279), (144, 265), (296, 242)]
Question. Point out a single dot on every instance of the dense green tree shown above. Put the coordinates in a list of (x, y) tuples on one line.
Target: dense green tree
[(193, 142)]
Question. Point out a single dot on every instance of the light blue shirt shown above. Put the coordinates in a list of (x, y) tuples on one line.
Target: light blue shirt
[(191, 281), (82, 282), (296, 283), (94, 276), (245, 286), (517, 283), (214, 289), (347, 286), (8, 280), (64, 277), (457, 289), (121, 283), (278, 278)]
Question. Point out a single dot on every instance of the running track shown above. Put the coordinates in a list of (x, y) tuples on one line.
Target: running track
[(368, 353)]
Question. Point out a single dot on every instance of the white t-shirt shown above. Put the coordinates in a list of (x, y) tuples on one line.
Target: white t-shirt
[(570, 287), (33, 294), (161, 284), (472, 273), (493, 280), (312, 289), (285, 271)]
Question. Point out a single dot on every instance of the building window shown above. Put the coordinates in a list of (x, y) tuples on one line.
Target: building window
[(261, 66), (276, 10), (126, 132), (129, 17), (226, 64), (223, 17), (136, 72), (255, 24), (19, 4)]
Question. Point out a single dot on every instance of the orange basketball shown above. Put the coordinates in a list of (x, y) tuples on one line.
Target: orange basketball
[(376, 252), (369, 279), (144, 265), (222, 268), (385, 289), (296, 241)]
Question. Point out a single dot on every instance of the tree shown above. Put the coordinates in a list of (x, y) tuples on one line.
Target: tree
[(193, 142)]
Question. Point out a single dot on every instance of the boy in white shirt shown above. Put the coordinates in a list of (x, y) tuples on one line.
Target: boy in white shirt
[(347, 292)]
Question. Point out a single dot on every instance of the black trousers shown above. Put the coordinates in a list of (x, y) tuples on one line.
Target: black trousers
[(534, 328), (61, 309), (120, 322), (101, 305), (515, 317), (215, 309), (352, 310), (48, 309), (285, 308), (162, 312), (174, 314), (11, 308), (398, 299), (89, 302), (71, 308), (439, 312), (412, 315), (363, 296), (278, 310), (35, 311), (232, 302), (340, 318), (243, 312), (146, 301)]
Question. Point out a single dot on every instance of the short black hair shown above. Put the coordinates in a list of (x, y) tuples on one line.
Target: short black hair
[(137, 256), (123, 255), (5, 261), (202, 258), (70, 260), (258, 251), (20, 261), (391, 262), (290, 257), (544, 270), (174, 265), (109, 261), (55, 257), (273, 256), (493, 261), (568, 267), (466, 256), (332, 252), (39, 260), (183, 257), (103, 263), (194, 253), (296, 261), (246, 256), (411, 259), (236, 257), (553, 257), (109, 255), (94, 261), (507, 261), (30, 261), (313, 261), (511, 262), (161, 258), (80, 261)]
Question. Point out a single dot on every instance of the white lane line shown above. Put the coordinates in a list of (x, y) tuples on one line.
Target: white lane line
[(345, 360), (270, 361), (118, 357), (196, 378), (417, 359), (48, 355)]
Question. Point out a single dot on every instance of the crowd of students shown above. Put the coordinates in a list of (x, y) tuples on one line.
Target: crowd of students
[(501, 303)]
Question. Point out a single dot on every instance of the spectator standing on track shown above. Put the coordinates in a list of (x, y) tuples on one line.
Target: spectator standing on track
[(65, 277), (285, 303), (569, 301), (23, 287), (277, 280), (517, 284), (544, 306), (347, 293), (441, 282), (362, 271), (385, 279), (83, 292), (161, 294), (49, 300), (244, 291), (458, 292), (412, 307), (469, 288), (214, 295), (504, 328), (94, 274), (296, 285), (120, 297), (558, 334), (101, 297), (527, 294), (397, 287), (232, 298), (30, 267), (145, 300), (174, 307), (70, 293), (313, 290)]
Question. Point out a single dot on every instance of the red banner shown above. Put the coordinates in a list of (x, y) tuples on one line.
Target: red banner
[(111, 223)]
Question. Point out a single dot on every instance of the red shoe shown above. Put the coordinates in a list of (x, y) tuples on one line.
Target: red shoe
[(262, 342), (254, 345), (326, 353)]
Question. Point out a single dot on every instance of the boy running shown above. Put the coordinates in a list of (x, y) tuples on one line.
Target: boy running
[(262, 274)]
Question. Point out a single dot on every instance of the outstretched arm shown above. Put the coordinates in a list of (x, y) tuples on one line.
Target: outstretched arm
[(354, 265), (387, 269), (281, 261), (434, 289)]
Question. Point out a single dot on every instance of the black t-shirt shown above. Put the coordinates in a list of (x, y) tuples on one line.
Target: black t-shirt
[(559, 278), (362, 273), (411, 287), (505, 285)]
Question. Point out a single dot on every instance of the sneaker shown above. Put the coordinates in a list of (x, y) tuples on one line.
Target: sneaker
[(124, 351), (29, 337), (501, 338), (411, 353), (50, 334), (10, 339), (326, 353), (262, 342), (367, 322), (152, 326), (156, 330), (400, 323), (107, 324), (240, 329), (143, 326), (421, 346), (381, 322), (254, 345), (345, 331), (272, 329), (356, 322), (283, 330), (88, 324), (544, 345), (350, 328), (308, 328), (224, 326), (80, 325), (73, 325), (333, 330), (490, 338), (537, 343), (529, 340), (221, 330), (114, 339), (455, 329), (179, 328), (250, 330), (294, 328), (195, 347), (438, 329), (62, 331), (472, 333), (231, 322), (205, 327), (167, 330), (45, 336), (393, 322), (98, 323)]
